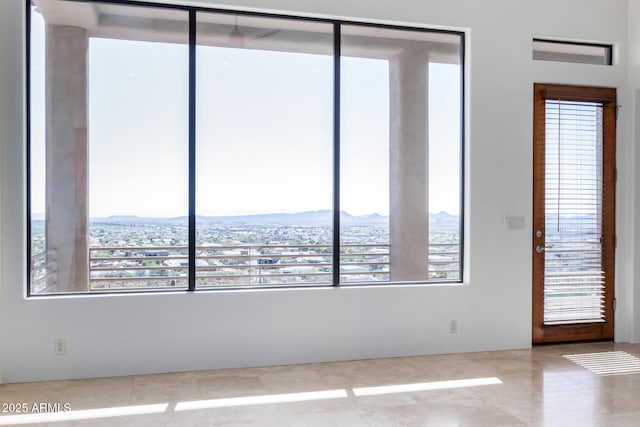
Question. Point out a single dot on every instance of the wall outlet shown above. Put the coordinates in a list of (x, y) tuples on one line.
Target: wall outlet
[(60, 346), (453, 327)]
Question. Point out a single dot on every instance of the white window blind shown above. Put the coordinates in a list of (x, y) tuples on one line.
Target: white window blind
[(574, 274)]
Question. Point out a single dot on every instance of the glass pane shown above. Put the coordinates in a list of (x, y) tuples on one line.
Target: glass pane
[(115, 154), (574, 277), (581, 53), (445, 171), (264, 151), (400, 155), (43, 269)]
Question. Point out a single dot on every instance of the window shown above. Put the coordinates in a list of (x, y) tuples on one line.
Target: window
[(264, 151), (577, 52), (109, 147), (400, 145), (174, 147)]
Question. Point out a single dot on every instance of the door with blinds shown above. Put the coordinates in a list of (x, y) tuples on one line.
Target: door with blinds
[(573, 213)]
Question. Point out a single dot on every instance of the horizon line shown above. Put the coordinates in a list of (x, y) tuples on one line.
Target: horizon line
[(374, 214)]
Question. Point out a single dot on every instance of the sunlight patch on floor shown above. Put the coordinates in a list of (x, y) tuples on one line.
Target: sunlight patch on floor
[(84, 414), (607, 363), (437, 385), (260, 400)]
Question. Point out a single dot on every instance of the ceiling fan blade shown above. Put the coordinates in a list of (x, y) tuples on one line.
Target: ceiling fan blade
[(265, 34)]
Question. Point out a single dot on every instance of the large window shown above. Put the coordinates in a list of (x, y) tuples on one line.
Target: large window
[(183, 148)]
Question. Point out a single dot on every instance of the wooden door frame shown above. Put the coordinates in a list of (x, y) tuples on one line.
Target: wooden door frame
[(606, 96)]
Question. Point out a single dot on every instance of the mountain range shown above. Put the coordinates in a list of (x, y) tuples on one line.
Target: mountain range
[(308, 218)]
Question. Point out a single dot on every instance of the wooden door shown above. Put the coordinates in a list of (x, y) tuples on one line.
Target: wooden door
[(573, 213)]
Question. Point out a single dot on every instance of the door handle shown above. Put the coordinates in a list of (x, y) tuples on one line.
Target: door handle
[(540, 249)]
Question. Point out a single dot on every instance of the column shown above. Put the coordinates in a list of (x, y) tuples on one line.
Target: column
[(409, 166), (67, 155)]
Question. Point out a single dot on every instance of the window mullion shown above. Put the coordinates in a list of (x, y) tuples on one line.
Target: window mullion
[(192, 150), (336, 154)]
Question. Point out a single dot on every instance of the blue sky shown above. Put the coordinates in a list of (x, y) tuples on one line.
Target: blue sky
[(264, 131)]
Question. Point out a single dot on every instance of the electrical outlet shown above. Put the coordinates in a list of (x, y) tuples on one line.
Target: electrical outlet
[(453, 327), (60, 346)]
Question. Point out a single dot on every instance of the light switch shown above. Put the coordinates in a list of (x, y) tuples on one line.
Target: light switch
[(514, 222)]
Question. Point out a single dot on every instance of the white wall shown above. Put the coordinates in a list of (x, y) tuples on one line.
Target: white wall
[(115, 335), (633, 114), (10, 136)]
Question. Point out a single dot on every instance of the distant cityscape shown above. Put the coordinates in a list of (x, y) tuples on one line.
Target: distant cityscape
[(267, 249)]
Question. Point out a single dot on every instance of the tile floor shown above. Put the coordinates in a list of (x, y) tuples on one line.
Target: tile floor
[(537, 387)]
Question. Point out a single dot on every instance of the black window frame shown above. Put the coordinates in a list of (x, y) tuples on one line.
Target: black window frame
[(192, 92)]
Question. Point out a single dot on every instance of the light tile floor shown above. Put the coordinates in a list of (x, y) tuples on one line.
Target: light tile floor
[(537, 387)]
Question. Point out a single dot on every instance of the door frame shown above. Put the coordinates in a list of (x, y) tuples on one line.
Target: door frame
[(542, 333)]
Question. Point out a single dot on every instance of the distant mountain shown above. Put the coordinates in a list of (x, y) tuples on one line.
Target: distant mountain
[(132, 219), (444, 220), (303, 218), (317, 218)]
